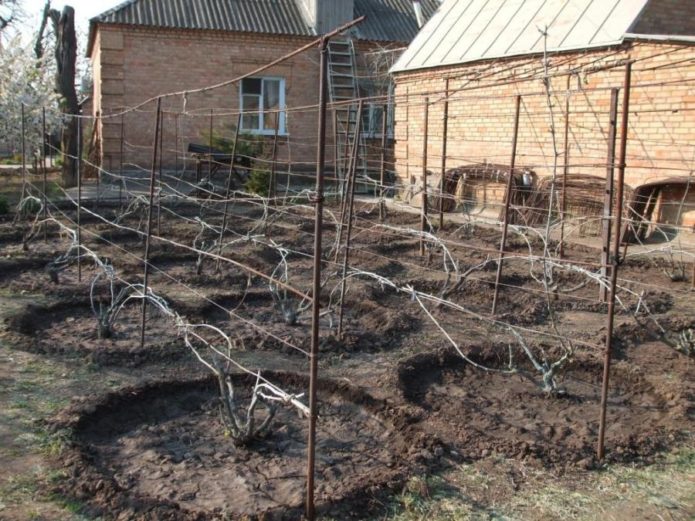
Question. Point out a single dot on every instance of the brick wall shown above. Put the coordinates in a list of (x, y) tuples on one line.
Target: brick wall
[(661, 132), (134, 64)]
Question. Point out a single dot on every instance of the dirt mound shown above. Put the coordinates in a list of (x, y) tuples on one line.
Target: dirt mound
[(160, 452), (69, 328), (483, 413)]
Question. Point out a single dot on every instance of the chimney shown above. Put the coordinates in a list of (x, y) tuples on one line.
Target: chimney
[(417, 7), (326, 15)]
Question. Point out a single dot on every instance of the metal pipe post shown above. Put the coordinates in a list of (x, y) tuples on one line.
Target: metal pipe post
[(316, 293), (120, 169), (423, 212), (382, 165), (176, 144), (228, 191), (272, 189), (608, 195), (78, 165), (352, 166), (149, 224), (212, 115), (350, 210), (565, 171), (507, 205), (445, 133), (98, 172), (45, 174), (615, 260), (24, 155), (159, 176)]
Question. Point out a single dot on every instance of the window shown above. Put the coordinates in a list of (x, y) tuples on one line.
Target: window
[(260, 99)]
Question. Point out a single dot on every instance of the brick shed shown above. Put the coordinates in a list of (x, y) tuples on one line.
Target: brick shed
[(144, 48), (488, 52)]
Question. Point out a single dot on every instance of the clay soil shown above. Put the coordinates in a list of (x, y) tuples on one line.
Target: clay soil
[(397, 401)]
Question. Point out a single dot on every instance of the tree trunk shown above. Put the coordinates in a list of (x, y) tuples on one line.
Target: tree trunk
[(66, 58)]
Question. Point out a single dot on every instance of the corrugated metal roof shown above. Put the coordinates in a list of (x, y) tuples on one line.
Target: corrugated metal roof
[(464, 31), (387, 20), (390, 20), (259, 16)]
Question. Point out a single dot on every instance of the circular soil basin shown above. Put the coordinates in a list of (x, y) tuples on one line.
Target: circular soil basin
[(484, 413), (70, 328), (162, 450)]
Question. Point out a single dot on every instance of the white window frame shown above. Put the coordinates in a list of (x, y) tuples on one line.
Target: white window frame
[(282, 130)]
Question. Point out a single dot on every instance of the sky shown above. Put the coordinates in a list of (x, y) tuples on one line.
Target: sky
[(84, 10)]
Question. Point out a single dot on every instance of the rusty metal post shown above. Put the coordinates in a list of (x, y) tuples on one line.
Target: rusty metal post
[(159, 174), (507, 205), (565, 171), (344, 161), (78, 164), (148, 237), (212, 115), (615, 260), (120, 166), (272, 189), (350, 210), (423, 212), (382, 164), (608, 194), (347, 169), (336, 177), (98, 171), (228, 190), (316, 292), (24, 154), (445, 133), (176, 144), (45, 174), (352, 165)]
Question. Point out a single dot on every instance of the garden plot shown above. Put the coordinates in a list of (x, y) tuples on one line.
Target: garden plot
[(162, 449), (72, 328), (411, 330), (481, 413)]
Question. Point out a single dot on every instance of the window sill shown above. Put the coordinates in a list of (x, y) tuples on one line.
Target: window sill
[(270, 133)]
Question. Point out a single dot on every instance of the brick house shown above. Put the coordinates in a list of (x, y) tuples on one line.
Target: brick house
[(490, 52), (143, 48)]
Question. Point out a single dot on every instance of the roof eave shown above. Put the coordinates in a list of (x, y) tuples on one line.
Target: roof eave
[(603, 45), (664, 38)]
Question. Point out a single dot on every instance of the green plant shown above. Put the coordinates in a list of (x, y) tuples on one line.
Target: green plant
[(258, 183), (248, 145), (4, 205)]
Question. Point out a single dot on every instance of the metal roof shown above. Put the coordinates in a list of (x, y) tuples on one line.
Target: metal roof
[(387, 20), (464, 31), (260, 16), (390, 20)]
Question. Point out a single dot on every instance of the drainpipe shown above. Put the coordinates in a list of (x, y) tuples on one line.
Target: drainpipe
[(417, 7)]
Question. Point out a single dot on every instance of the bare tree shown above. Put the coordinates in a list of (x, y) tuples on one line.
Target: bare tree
[(63, 25), (9, 12)]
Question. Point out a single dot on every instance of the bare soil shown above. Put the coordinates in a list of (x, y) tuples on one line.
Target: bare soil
[(651, 405), (161, 450), (405, 405)]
